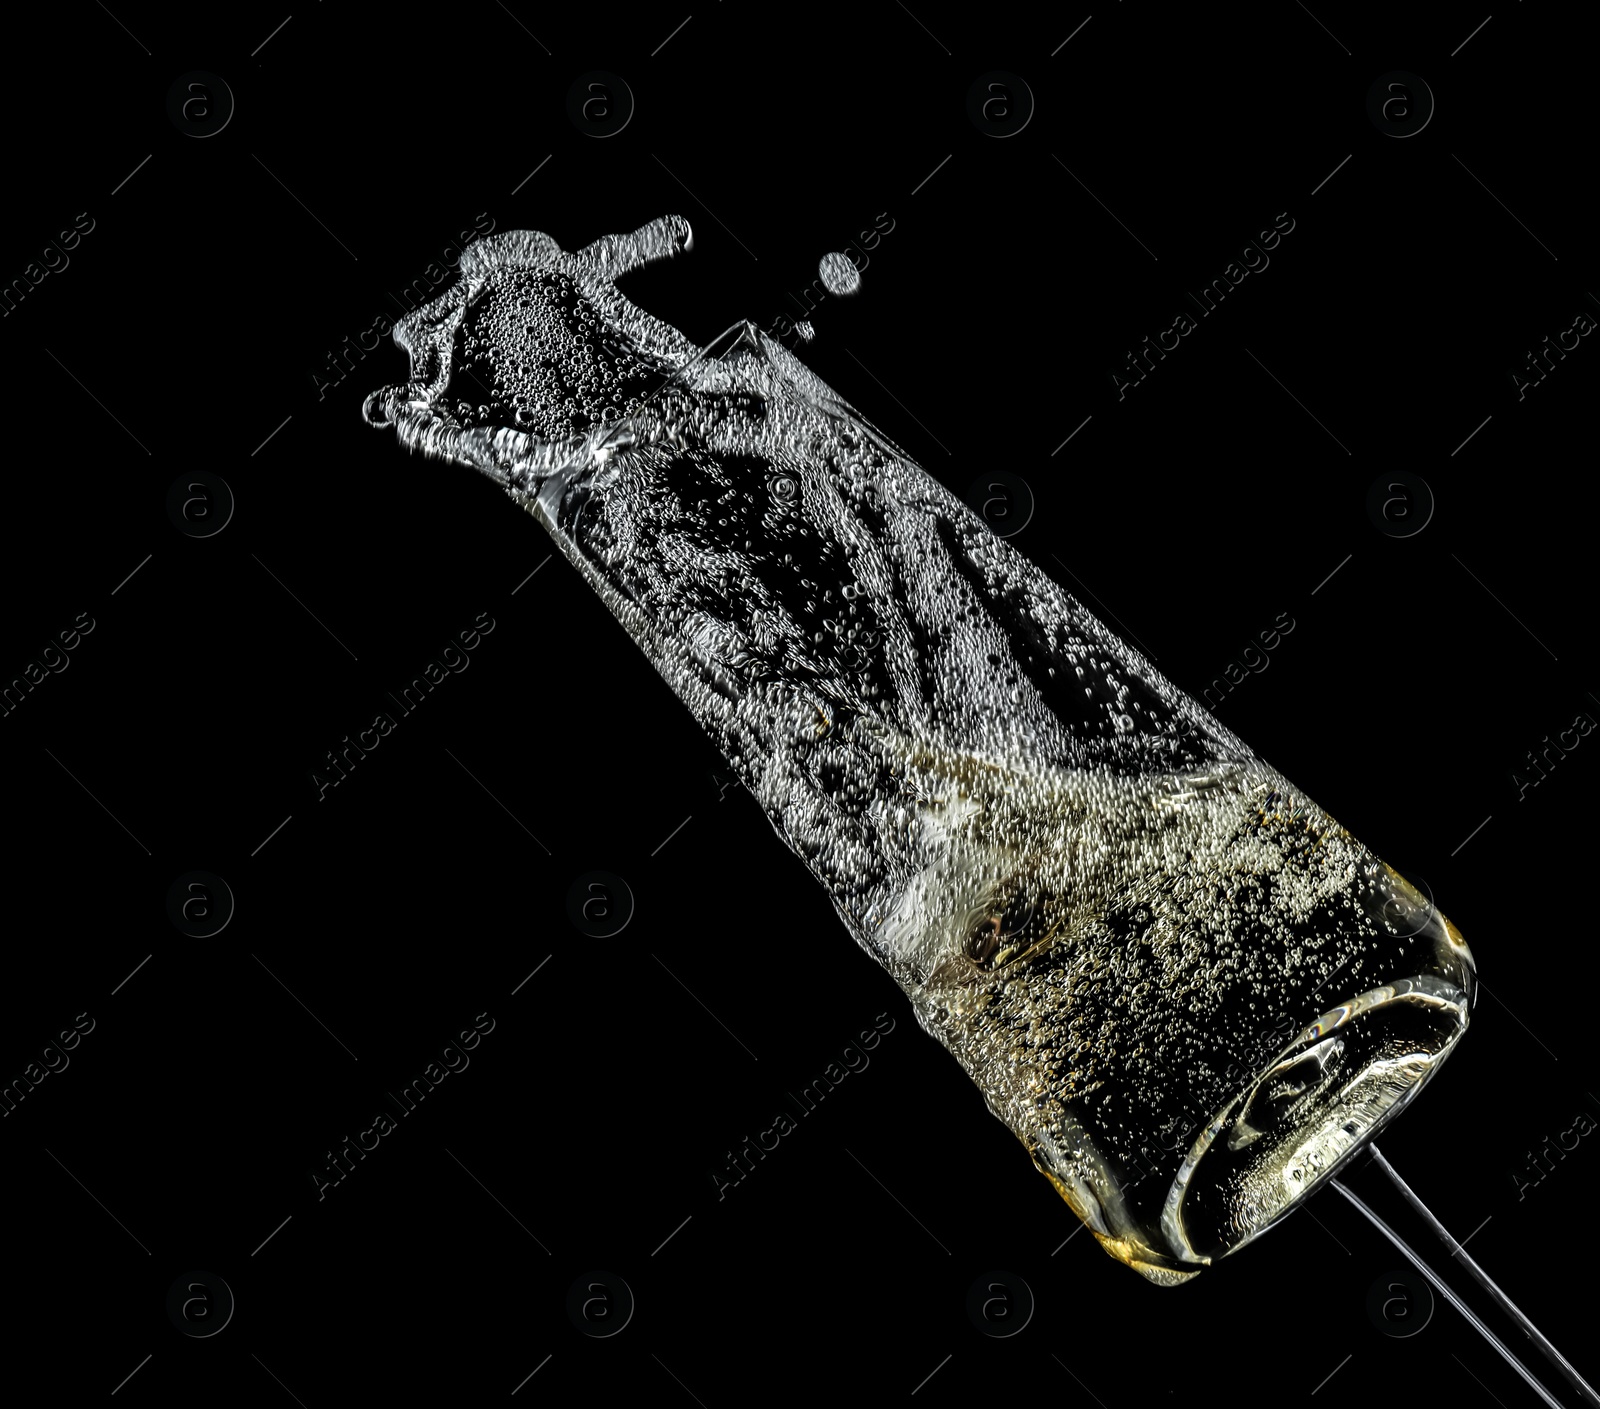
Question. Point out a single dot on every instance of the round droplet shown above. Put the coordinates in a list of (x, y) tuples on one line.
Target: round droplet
[(839, 276)]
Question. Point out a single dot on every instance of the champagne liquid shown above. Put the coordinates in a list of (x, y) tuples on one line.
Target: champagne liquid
[(1183, 986)]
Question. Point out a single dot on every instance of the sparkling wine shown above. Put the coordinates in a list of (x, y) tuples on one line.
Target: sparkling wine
[(1187, 990)]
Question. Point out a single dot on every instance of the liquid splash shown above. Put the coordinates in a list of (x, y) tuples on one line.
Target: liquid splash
[(1188, 991)]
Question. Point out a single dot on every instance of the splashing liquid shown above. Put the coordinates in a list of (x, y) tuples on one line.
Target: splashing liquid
[(1187, 990)]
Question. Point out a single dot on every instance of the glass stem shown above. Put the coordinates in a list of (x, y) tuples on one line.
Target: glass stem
[(1439, 1286), (1550, 1353)]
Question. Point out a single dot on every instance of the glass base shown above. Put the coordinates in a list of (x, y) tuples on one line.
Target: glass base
[(1309, 1112)]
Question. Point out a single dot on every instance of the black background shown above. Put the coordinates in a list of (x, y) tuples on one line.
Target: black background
[(1222, 491)]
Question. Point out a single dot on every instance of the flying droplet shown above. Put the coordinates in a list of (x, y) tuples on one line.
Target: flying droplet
[(839, 275)]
